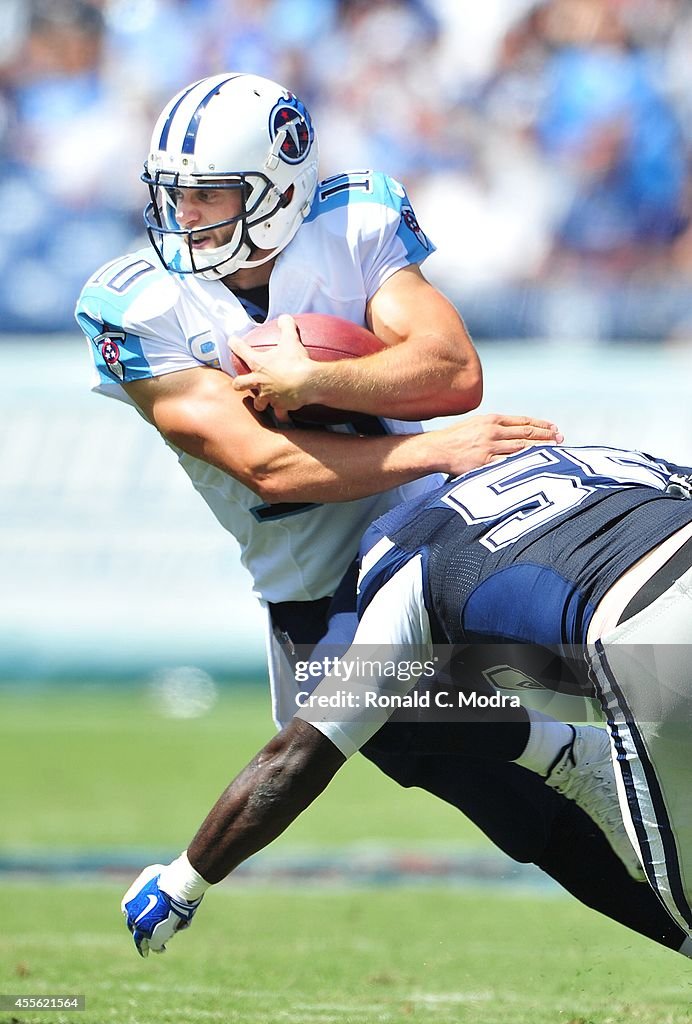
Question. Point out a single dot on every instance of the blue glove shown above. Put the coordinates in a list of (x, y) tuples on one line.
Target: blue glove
[(153, 916)]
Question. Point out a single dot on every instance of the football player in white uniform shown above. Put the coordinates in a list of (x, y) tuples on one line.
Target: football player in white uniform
[(238, 154), (242, 230)]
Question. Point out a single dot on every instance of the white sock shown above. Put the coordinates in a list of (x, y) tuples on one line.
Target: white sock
[(181, 881), (546, 739)]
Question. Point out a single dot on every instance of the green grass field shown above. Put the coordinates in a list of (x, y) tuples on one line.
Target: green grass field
[(102, 770), (98, 768), (358, 957)]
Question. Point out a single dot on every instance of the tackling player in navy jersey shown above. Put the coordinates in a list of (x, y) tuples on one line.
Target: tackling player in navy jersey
[(586, 552), (241, 229)]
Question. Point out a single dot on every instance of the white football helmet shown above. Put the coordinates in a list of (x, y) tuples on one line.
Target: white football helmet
[(231, 131)]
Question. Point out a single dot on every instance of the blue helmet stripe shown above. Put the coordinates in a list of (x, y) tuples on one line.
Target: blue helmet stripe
[(191, 133), (163, 141)]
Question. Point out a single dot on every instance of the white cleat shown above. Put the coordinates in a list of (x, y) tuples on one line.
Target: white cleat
[(583, 772)]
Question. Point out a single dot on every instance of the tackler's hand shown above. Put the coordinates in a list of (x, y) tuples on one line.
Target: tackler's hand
[(152, 915)]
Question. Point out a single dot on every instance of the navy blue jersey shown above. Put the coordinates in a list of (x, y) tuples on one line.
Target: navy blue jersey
[(524, 549)]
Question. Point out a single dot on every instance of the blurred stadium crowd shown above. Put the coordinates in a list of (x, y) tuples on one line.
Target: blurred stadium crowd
[(546, 145)]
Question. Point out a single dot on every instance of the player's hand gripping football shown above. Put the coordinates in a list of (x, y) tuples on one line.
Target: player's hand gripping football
[(280, 377), (153, 916)]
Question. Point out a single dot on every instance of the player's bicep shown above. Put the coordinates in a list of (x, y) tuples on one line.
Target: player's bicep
[(407, 305), (168, 400), (407, 309), (199, 411)]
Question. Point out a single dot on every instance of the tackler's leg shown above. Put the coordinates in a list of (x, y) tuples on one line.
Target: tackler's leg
[(643, 673), (528, 821)]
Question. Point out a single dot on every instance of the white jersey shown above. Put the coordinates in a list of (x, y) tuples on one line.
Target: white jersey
[(143, 321), (391, 650)]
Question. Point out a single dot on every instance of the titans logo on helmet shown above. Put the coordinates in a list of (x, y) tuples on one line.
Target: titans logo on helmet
[(290, 117)]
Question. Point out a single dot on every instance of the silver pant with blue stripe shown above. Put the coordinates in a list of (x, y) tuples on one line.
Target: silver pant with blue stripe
[(642, 670)]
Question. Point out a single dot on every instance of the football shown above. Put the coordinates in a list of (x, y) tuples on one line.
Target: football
[(327, 338)]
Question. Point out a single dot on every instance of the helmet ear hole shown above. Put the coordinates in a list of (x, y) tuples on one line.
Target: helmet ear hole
[(287, 196)]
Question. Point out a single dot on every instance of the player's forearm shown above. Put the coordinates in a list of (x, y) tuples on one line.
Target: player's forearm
[(414, 380), (278, 784), (328, 467), (216, 425), (318, 466)]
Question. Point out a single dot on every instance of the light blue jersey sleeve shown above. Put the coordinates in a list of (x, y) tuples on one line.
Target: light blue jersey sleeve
[(375, 214), (127, 313)]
